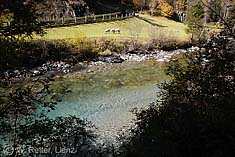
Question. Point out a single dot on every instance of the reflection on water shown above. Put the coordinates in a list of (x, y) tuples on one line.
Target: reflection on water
[(106, 96)]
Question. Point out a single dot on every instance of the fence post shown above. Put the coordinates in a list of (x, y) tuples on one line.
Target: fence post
[(95, 18), (122, 16), (103, 18), (116, 16), (75, 19), (85, 19), (62, 20), (110, 17)]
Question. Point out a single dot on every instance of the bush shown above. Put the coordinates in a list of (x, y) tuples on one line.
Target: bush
[(196, 113), (83, 47), (109, 44), (31, 53)]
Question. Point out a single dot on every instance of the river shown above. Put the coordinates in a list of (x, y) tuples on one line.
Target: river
[(107, 96)]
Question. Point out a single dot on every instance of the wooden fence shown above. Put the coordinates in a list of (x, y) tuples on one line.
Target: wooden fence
[(50, 22)]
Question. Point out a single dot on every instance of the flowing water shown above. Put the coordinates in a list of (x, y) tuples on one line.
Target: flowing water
[(106, 96)]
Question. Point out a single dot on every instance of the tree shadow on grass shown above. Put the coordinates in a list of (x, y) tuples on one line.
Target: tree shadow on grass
[(152, 22)]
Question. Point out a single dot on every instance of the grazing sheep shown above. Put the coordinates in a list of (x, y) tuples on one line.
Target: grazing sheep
[(113, 30), (118, 30), (106, 31)]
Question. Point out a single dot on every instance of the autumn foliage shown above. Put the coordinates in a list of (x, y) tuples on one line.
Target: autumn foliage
[(166, 8)]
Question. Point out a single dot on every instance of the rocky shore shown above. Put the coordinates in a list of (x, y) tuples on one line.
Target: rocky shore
[(51, 69)]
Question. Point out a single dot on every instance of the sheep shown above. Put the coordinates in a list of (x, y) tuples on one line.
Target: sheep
[(117, 30), (106, 30), (113, 30)]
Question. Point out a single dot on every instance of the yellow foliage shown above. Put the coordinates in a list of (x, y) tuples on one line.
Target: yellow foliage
[(80, 42), (182, 2), (166, 9)]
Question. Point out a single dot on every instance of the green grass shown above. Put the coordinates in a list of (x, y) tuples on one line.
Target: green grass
[(168, 26), (133, 27)]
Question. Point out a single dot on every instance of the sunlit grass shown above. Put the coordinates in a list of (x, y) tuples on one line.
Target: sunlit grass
[(168, 26), (130, 28)]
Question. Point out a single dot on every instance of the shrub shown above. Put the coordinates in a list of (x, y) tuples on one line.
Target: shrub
[(109, 44), (195, 116), (83, 47), (31, 53)]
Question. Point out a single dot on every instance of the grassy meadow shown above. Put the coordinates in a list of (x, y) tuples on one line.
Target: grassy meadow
[(146, 28)]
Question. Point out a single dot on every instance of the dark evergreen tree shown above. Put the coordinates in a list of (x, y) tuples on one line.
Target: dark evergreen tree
[(194, 20)]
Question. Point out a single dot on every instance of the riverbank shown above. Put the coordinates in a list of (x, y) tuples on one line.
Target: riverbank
[(26, 55), (59, 68), (106, 89)]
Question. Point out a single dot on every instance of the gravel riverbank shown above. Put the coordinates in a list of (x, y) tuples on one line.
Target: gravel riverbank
[(51, 69)]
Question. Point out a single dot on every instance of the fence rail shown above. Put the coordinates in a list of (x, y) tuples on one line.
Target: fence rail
[(51, 22)]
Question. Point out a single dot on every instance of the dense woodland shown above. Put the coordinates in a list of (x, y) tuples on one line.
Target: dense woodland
[(196, 113)]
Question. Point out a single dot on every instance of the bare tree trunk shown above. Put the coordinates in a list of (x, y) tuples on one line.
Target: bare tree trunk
[(206, 13)]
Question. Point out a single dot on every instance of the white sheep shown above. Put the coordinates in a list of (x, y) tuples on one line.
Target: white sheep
[(113, 30), (117, 30), (106, 30)]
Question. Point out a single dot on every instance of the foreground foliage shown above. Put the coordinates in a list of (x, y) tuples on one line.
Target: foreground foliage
[(18, 19), (23, 109), (25, 127), (195, 116)]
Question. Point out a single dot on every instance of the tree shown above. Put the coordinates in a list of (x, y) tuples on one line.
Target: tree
[(166, 8), (216, 6), (231, 19), (139, 4), (153, 6), (18, 19), (25, 128), (181, 4), (194, 20), (23, 108), (226, 10), (196, 114), (19, 105), (161, 7)]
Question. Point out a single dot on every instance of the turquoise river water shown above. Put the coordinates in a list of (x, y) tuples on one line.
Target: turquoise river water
[(105, 96)]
